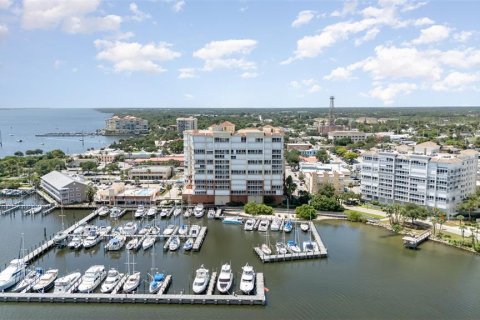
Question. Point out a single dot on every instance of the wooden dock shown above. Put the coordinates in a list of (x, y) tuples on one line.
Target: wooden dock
[(165, 285), (118, 287), (139, 298), (211, 284), (413, 242), (199, 240)]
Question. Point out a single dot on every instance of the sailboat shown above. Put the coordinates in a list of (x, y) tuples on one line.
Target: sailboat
[(266, 246), (133, 280), (157, 278)]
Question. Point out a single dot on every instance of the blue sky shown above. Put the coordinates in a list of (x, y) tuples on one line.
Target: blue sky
[(175, 53)]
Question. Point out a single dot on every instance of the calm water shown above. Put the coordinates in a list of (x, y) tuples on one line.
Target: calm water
[(23, 124), (368, 275)]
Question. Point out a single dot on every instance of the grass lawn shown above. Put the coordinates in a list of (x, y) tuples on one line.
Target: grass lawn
[(366, 215)]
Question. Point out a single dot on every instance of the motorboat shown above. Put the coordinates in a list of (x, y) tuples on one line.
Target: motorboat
[(164, 213), (116, 212), (89, 230), (145, 230), (194, 231), (75, 243), (112, 280), (310, 246), (304, 227), (34, 210), (202, 277), (188, 213), (117, 230), (275, 225), (60, 237), (266, 249), (29, 280), (151, 212), (140, 212), (132, 282), (183, 230), (46, 281), (155, 230), (177, 212), (288, 226), (12, 274), (116, 243), (103, 211), (211, 213), (148, 242), (130, 228), (225, 279), (263, 226), (232, 220), (247, 283), (249, 224), (66, 283), (78, 230), (174, 243), (91, 241), (188, 245), (198, 211), (92, 278), (293, 247), (169, 230), (156, 283), (104, 230), (132, 244), (281, 248)]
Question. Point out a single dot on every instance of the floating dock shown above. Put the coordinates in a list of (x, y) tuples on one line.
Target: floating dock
[(199, 240), (413, 242), (211, 284), (166, 283), (258, 299)]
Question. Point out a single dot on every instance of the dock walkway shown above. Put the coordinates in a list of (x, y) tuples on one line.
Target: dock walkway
[(199, 240), (413, 242)]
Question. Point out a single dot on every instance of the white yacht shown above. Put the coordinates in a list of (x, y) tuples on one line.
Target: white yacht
[(116, 243), (46, 281), (91, 241), (12, 274), (78, 230), (112, 280), (247, 283), (293, 247), (103, 211), (164, 212), (211, 213), (92, 278), (194, 231), (263, 226), (275, 225), (75, 243), (60, 237), (152, 211), (304, 227), (132, 283), (29, 280), (199, 211), (266, 249), (132, 244), (140, 212), (156, 283), (174, 243), (144, 230), (188, 245), (148, 242), (202, 277), (188, 213), (177, 212), (281, 248), (183, 230), (310, 246), (249, 224), (130, 228), (65, 284), (169, 230), (104, 230), (225, 279), (155, 230)]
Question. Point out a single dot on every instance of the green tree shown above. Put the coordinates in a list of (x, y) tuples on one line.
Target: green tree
[(176, 146), (414, 212), (293, 158), (257, 209), (88, 166), (324, 203), (306, 212), (91, 191), (168, 188), (326, 189), (322, 156), (349, 156), (18, 154), (290, 187)]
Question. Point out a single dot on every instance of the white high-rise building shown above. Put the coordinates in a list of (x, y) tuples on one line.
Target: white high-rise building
[(423, 176), (184, 124), (223, 165)]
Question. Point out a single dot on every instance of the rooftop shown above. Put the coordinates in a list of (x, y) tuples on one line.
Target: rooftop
[(60, 180)]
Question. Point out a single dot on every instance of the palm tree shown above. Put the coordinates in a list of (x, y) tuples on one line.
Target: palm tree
[(462, 228), (168, 188), (389, 210), (460, 219)]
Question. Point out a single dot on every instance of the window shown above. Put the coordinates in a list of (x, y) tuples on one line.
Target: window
[(258, 139), (276, 139), (243, 139)]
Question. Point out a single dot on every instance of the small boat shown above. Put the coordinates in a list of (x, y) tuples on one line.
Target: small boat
[(76, 243), (202, 277), (144, 230), (116, 243), (19, 140), (89, 230), (183, 230), (188, 245), (225, 279), (66, 283), (104, 230), (249, 224), (140, 212), (164, 213), (292, 246), (263, 226), (92, 278), (152, 211), (103, 211), (60, 237), (78, 230), (132, 244), (194, 231), (281, 248), (177, 212), (174, 243), (116, 213), (198, 211), (156, 283), (304, 227), (46, 281), (211, 213), (155, 230), (275, 225), (91, 241), (12, 274), (310, 246), (132, 282), (130, 228), (169, 230), (247, 283), (288, 226), (34, 210), (29, 280), (188, 213), (112, 280), (232, 220), (266, 249), (148, 242)]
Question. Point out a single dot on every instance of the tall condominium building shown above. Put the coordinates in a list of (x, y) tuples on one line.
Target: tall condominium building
[(189, 123), (126, 125), (423, 176), (223, 165)]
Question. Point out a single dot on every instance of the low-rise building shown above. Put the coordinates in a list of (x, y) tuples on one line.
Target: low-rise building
[(189, 123), (151, 173), (118, 194), (117, 125), (355, 136), (65, 189), (318, 173)]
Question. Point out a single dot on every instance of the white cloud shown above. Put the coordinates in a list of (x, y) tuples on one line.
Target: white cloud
[(369, 36), (57, 64), (306, 85), (410, 6), (133, 56), (348, 8), (188, 96), (71, 16), (121, 36), (435, 33), (138, 15), (339, 74), (5, 4), (463, 36), (425, 21), (178, 6), (243, 9), (388, 93), (315, 88), (227, 54), (186, 73), (303, 17), (456, 81), (3, 31), (249, 75)]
